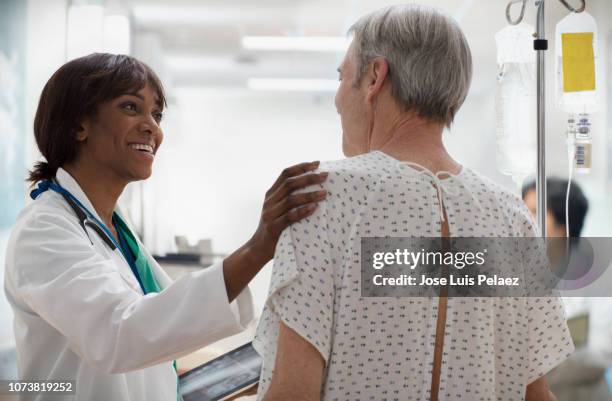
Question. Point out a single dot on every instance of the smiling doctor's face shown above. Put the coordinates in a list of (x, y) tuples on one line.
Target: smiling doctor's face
[(123, 136), (351, 105)]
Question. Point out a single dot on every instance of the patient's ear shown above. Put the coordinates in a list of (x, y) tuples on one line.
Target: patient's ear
[(375, 77)]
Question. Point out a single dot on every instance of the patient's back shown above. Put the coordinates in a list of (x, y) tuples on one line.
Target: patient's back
[(382, 348)]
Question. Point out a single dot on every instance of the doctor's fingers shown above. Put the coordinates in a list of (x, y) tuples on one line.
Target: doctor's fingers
[(292, 171), (273, 211), (292, 216), (293, 184)]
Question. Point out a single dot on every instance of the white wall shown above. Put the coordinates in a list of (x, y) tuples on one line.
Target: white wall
[(224, 150), (45, 53)]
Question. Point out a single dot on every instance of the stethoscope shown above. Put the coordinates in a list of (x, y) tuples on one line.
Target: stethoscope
[(86, 218)]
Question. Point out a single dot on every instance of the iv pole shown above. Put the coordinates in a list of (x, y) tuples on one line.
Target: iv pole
[(540, 45)]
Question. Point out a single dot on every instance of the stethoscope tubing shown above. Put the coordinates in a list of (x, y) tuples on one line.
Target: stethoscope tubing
[(86, 218), (84, 221)]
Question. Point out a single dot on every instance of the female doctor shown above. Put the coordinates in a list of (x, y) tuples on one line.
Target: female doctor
[(90, 303)]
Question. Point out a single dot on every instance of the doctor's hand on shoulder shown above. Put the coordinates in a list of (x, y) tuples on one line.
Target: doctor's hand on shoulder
[(90, 302), (282, 207)]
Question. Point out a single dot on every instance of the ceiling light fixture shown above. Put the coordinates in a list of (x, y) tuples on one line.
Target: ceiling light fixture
[(293, 84), (296, 43)]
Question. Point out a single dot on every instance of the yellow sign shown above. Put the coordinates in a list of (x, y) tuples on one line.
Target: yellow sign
[(578, 62)]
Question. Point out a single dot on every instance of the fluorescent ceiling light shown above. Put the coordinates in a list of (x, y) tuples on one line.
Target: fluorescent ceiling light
[(201, 63), (297, 43), (295, 85), (221, 14)]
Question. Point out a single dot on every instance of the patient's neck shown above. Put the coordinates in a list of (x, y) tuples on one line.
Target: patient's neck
[(408, 137)]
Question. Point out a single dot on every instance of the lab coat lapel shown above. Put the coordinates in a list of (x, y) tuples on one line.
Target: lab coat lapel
[(72, 186)]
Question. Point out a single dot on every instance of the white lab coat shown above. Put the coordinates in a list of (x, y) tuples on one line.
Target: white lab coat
[(81, 315)]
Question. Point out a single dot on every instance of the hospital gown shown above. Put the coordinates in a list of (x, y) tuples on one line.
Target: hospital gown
[(382, 348)]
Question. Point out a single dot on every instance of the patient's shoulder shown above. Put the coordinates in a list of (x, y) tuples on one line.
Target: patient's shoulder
[(485, 186), (358, 170), (503, 201)]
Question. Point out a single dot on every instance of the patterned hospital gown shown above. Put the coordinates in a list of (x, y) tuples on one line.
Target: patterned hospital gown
[(382, 348)]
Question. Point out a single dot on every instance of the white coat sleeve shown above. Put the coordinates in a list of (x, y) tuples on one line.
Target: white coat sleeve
[(60, 276)]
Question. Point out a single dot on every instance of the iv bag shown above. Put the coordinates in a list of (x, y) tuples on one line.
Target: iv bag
[(575, 62), (516, 101)]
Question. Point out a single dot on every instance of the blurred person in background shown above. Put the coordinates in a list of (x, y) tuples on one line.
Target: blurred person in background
[(556, 227), (556, 192)]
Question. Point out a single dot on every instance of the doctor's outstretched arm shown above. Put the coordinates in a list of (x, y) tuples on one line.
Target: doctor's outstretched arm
[(106, 321), (281, 208)]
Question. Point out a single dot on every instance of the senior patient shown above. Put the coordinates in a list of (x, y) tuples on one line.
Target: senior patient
[(403, 79)]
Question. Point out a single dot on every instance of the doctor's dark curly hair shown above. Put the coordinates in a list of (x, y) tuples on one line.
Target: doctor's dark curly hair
[(73, 93)]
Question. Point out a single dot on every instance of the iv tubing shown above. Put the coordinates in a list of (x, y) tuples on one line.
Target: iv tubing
[(571, 153)]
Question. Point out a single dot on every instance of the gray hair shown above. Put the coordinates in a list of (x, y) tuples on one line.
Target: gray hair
[(430, 63)]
